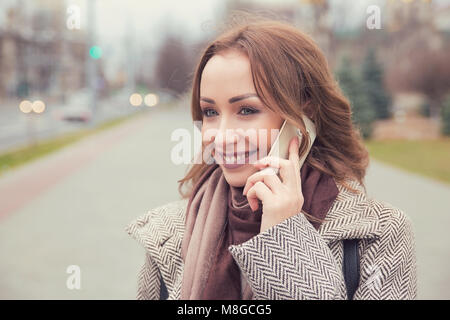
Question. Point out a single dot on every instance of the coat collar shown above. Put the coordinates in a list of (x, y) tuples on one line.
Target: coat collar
[(351, 216)]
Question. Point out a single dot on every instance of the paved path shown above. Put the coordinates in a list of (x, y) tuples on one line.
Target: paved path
[(427, 202), (71, 209)]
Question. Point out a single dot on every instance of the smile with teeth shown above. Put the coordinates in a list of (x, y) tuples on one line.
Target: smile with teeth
[(237, 158)]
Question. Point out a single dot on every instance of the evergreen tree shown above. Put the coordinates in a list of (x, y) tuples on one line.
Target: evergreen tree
[(351, 84), (372, 74)]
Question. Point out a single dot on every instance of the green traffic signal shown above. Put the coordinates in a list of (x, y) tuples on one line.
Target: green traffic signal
[(95, 52)]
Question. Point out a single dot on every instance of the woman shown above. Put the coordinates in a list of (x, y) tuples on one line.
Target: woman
[(242, 233)]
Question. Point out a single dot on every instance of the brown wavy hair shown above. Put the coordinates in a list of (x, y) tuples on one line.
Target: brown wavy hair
[(291, 77)]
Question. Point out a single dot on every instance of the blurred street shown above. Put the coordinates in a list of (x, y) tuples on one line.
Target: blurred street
[(71, 209), (17, 128)]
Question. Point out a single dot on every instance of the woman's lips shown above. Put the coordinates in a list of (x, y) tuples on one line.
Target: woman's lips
[(235, 160)]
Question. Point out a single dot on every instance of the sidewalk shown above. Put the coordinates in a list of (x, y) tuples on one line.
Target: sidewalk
[(427, 203), (71, 208)]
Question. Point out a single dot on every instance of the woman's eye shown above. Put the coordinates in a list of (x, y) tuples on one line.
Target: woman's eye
[(207, 113), (243, 111), (247, 111)]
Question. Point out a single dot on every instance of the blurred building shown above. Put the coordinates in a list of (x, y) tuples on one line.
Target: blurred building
[(407, 122), (310, 16), (38, 53), (414, 23)]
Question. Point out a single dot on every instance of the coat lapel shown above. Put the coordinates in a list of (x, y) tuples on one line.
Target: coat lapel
[(351, 216)]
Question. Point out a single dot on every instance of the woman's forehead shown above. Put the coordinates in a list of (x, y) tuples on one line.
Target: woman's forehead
[(226, 75)]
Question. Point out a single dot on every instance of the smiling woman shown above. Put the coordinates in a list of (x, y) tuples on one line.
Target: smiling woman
[(245, 233), (228, 78)]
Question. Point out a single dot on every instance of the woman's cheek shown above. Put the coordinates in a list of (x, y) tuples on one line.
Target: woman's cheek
[(208, 133)]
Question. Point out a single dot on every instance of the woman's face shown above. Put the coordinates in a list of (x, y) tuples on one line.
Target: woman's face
[(235, 121)]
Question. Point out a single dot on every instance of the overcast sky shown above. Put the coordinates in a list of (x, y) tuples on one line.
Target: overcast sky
[(146, 18), (149, 18)]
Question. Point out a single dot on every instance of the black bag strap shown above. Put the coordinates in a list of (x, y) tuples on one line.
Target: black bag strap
[(163, 293), (350, 266)]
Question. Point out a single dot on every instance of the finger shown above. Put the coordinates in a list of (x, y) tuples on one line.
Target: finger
[(285, 166), (269, 178), (271, 161), (258, 191)]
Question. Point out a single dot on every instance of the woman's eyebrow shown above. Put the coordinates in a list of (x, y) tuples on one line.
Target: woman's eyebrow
[(231, 100)]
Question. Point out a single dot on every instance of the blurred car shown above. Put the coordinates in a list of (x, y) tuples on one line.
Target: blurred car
[(76, 108)]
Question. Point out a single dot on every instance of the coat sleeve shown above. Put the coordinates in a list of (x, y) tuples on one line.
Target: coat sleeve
[(388, 269), (289, 261), (149, 280)]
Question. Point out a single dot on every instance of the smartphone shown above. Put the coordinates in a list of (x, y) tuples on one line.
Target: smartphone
[(280, 147)]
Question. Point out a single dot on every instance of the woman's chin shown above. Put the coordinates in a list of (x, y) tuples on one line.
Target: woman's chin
[(237, 177)]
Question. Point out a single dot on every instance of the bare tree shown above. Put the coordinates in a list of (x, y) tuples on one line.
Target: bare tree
[(174, 65), (426, 71)]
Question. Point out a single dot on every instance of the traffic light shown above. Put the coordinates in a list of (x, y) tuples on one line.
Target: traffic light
[(95, 52)]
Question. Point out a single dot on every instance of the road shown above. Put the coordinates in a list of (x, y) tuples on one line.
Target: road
[(19, 129), (71, 208)]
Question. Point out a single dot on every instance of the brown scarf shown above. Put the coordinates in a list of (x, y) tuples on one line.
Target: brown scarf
[(217, 216)]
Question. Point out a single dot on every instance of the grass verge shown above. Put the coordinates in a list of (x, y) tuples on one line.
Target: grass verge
[(430, 158), (20, 156)]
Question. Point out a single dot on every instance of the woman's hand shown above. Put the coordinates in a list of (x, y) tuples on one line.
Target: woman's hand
[(281, 199)]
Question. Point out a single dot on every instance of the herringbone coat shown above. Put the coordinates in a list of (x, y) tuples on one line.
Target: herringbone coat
[(293, 260)]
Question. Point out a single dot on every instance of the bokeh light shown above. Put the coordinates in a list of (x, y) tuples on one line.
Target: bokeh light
[(38, 106), (26, 106), (151, 99), (136, 99)]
